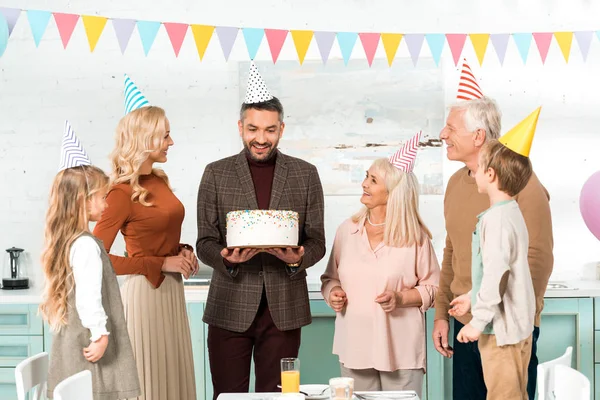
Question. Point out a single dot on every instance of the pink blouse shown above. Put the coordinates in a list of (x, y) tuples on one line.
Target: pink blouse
[(365, 335)]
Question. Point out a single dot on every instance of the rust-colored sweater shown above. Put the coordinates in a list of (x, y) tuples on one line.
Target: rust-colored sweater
[(462, 204), (151, 233)]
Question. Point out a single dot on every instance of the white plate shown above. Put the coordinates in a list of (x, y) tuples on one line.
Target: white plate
[(314, 391)]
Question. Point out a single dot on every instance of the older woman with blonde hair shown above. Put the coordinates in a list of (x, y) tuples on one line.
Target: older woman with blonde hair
[(381, 277), (142, 206)]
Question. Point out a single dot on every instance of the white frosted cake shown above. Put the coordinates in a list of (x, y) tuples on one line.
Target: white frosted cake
[(262, 228)]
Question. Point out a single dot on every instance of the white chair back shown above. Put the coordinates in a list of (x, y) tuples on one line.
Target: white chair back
[(570, 384), (545, 374), (75, 387), (31, 374)]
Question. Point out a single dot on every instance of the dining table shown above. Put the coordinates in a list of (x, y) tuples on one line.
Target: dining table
[(395, 395)]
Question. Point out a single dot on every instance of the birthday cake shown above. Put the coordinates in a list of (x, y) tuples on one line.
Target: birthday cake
[(262, 228)]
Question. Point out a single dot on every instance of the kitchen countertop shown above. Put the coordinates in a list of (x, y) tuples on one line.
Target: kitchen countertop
[(198, 294)]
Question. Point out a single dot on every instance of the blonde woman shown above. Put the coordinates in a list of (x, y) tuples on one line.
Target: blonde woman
[(145, 210), (81, 301), (381, 277)]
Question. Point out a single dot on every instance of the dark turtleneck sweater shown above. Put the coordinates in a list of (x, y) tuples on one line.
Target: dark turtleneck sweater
[(262, 177)]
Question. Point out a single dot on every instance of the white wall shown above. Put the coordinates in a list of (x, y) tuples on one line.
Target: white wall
[(40, 87)]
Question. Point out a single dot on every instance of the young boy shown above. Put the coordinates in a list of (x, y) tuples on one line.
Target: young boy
[(502, 289)]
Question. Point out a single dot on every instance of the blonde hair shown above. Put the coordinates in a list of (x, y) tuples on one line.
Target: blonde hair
[(403, 224), (481, 114), (138, 135), (66, 220)]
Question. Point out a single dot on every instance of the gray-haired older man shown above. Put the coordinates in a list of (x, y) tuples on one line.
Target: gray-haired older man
[(468, 125)]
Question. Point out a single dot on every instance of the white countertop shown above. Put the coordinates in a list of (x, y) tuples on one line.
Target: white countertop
[(198, 294)]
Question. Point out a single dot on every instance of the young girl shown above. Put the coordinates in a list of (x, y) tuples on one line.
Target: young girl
[(82, 303)]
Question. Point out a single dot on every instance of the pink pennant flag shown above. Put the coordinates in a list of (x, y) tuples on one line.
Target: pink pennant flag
[(370, 41), (468, 88), (176, 32), (276, 39), (404, 159), (65, 24), (543, 40), (456, 41)]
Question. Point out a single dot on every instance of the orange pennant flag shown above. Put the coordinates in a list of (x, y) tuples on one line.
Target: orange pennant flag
[(391, 41), (564, 40), (302, 40), (480, 42), (202, 35), (94, 26)]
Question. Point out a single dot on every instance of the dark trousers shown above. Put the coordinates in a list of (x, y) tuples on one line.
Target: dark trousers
[(230, 354), (467, 373)]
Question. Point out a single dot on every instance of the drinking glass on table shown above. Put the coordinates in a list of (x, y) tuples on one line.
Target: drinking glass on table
[(341, 388), (290, 375)]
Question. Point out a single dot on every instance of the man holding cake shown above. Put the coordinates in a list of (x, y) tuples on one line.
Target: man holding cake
[(260, 225)]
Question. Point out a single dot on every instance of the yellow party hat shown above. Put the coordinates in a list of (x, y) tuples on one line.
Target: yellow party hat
[(519, 138)]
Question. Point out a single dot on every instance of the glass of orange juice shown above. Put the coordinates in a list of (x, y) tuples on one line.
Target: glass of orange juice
[(290, 375)]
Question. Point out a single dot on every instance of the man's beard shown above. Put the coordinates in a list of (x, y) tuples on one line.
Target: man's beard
[(269, 156)]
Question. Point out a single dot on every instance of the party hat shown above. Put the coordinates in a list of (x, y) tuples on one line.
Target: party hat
[(134, 99), (519, 138), (404, 158), (257, 91), (468, 88), (72, 153)]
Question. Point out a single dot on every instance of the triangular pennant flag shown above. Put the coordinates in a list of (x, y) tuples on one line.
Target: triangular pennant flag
[(94, 26), (253, 38), (4, 34), (324, 43), (227, 36), (456, 41), (436, 42), (202, 35), (500, 42), (65, 24), (176, 32), (148, 31), (414, 42), (519, 138), (391, 41), (404, 159), (302, 41), (542, 41), (346, 41), (276, 39), (72, 153), (256, 91), (564, 40), (468, 88), (134, 99), (480, 43), (598, 34), (369, 41), (523, 42), (38, 22), (123, 30), (584, 39), (11, 15)]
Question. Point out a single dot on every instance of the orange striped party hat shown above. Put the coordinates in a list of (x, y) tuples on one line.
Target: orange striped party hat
[(468, 88)]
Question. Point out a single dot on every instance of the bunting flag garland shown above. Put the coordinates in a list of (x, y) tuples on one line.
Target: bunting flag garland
[(176, 32), (93, 28), (438, 43)]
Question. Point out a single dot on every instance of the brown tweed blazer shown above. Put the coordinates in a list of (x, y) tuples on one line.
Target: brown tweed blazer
[(233, 298)]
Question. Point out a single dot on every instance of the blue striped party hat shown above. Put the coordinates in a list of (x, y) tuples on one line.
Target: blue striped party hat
[(72, 153), (134, 99)]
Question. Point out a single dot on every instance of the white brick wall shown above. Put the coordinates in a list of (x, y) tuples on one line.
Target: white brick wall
[(40, 87)]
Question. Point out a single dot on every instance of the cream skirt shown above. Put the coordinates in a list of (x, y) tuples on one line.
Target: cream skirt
[(160, 336)]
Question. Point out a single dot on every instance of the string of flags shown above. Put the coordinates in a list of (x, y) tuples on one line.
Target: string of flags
[(227, 36)]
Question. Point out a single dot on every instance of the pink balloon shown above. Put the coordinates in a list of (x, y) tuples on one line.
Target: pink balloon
[(589, 204)]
